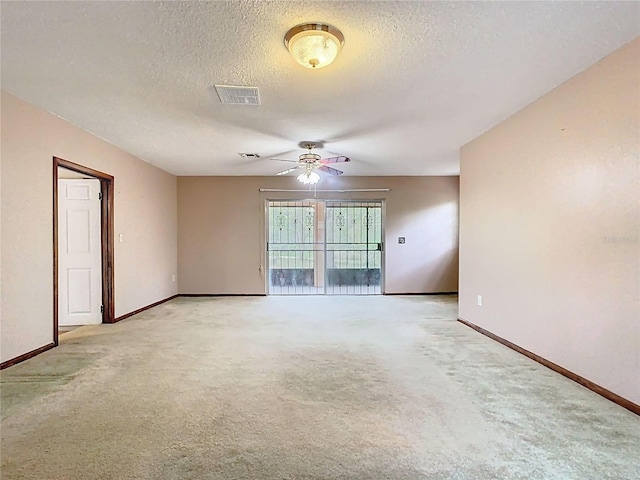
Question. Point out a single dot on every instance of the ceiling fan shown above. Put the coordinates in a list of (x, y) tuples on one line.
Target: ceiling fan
[(311, 162)]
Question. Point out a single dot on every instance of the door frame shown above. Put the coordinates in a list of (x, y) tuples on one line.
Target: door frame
[(383, 218), (106, 239)]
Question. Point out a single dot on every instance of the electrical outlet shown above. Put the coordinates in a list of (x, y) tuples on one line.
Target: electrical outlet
[(479, 300), (121, 237), (173, 278)]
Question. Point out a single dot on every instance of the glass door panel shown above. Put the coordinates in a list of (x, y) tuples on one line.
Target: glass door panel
[(294, 252), (353, 247)]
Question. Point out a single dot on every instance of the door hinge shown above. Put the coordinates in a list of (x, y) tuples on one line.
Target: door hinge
[(101, 308), (99, 195)]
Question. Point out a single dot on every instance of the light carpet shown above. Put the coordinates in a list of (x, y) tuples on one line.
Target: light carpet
[(311, 388)]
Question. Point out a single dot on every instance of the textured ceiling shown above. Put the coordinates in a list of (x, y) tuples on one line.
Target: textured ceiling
[(414, 82)]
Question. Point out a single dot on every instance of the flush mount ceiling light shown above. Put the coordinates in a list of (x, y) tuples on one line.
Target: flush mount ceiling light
[(314, 45)]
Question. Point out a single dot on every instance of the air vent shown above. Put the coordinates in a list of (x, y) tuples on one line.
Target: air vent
[(249, 155), (231, 95)]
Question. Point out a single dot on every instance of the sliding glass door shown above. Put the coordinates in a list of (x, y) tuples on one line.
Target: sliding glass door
[(324, 247)]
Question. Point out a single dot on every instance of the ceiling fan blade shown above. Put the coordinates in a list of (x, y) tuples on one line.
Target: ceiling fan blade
[(329, 170), (283, 160), (288, 170), (339, 159)]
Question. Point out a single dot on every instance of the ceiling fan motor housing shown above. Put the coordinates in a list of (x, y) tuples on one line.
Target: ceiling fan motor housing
[(309, 157)]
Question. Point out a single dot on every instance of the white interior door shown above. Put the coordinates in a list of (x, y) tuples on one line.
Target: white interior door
[(79, 253)]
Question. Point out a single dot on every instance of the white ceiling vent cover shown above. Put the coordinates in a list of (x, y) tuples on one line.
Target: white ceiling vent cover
[(232, 95)]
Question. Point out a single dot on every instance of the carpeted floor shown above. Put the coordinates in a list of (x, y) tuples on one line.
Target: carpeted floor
[(303, 388)]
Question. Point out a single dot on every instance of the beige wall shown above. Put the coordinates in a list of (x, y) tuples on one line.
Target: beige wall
[(145, 213), (221, 240), (549, 225)]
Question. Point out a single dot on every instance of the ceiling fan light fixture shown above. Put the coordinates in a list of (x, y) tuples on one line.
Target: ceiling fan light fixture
[(314, 45), (309, 178)]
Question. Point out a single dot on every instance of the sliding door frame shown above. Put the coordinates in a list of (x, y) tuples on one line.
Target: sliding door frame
[(382, 201)]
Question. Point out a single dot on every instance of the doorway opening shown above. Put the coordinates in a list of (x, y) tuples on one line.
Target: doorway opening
[(317, 247), (86, 226)]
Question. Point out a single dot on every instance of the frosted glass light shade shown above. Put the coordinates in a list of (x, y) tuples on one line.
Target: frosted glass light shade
[(314, 45), (309, 178)]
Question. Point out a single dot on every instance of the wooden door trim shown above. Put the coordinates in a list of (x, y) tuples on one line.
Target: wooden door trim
[(106, 243)]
